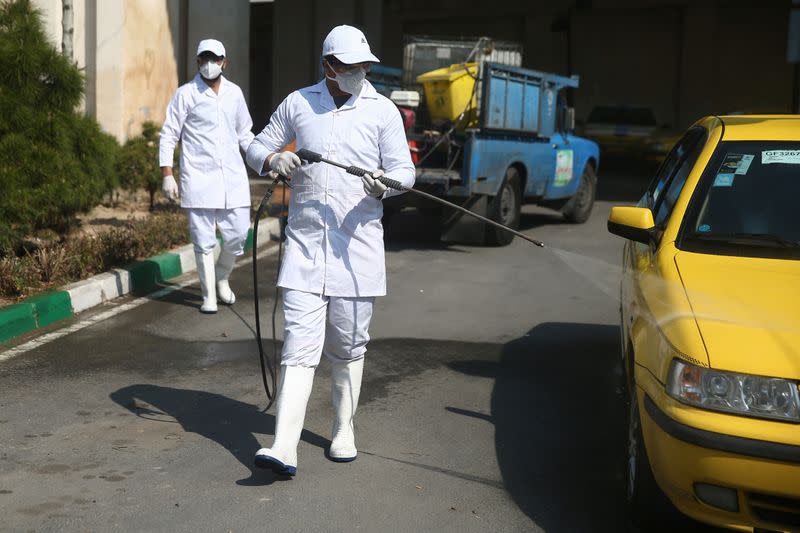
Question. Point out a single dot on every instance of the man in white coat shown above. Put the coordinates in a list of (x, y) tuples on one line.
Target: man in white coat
[(334, 263), (209, 117)]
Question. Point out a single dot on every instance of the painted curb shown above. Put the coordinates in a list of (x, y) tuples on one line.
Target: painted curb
[(139, 277)]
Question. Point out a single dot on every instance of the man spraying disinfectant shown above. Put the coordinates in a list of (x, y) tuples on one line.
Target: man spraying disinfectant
[(334, 263)]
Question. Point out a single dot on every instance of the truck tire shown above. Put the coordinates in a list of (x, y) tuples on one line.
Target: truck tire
[(504, 208), (579, 207)]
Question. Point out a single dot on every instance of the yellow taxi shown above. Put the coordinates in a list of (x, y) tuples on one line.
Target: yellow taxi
[(710, 327)]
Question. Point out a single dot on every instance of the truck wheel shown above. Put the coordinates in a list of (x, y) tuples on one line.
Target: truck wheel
[(647, 505), (504, 208), (579, 207)]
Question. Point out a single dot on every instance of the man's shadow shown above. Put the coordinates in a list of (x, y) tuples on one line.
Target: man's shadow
[(228, 422)]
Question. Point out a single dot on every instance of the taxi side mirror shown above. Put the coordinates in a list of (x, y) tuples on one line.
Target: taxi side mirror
[(634, 223)]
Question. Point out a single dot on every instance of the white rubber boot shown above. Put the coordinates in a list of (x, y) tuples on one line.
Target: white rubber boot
[(205, 270), (290, 412), (224, 268), (346, 377)]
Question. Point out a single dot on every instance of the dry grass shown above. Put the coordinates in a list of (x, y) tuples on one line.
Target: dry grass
[(84, 256)]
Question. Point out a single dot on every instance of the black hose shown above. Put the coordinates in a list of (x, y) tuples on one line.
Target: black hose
[(268, 366)]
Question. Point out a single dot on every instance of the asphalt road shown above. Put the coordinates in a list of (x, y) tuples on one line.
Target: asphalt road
[(489, 403)]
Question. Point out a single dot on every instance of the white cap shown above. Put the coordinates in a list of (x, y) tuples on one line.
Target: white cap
[(211, 45), (348, 45)]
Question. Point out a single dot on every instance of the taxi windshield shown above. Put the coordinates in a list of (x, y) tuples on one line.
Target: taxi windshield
[(747, 202)]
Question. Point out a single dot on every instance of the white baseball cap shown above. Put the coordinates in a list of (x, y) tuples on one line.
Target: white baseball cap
[(211, 45), (348, 45)]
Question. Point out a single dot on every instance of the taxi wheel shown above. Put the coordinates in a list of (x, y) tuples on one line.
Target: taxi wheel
[(579, 207), (648, 507)]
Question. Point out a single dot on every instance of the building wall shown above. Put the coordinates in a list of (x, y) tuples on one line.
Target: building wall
[(149, 68), (228, 22), (299, 28), (628, 57), (684, 58), (52, 18), (127, 51)]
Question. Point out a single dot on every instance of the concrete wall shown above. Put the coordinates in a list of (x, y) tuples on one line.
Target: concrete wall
[(684, 58), (127, 51), (52, 18), (627, 57), (149, 68), (300, 27), (228, 22)]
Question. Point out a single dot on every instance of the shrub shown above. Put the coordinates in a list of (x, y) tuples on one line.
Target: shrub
[(54, 162), (81, 257), (138, 162)]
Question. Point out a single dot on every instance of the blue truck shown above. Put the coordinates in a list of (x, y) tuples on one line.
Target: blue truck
[(512, 144)]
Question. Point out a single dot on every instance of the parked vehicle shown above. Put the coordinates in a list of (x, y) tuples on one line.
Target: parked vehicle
[(493, 137), (710, 323), (657, 146), (621, 130)]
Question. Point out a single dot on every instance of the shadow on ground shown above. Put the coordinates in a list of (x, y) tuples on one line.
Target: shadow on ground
[(560, 429), (230, 423)]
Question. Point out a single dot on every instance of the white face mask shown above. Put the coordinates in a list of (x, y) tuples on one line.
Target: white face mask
[(210, 70), (349, 82)]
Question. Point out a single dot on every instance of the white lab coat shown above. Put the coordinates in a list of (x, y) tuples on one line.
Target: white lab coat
[(334, 236), (211, 127)]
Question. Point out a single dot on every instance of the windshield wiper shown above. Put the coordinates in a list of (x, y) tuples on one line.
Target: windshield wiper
[(758, 239)]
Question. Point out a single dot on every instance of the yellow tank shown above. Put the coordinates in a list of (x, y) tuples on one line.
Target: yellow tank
[(450, 91)]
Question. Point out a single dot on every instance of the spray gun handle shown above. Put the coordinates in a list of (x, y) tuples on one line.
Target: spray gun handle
[(314, 157), (308, 155)]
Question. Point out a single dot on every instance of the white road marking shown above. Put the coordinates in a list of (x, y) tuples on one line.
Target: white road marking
[(105, 315)]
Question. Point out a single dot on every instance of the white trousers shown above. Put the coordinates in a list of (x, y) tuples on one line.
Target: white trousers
[(232, 223), (315, 324)]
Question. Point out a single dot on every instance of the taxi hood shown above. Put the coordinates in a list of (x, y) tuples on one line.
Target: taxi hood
[(747, 310)]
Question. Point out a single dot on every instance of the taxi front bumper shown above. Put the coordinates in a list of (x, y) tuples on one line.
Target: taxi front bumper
[(725, 480)]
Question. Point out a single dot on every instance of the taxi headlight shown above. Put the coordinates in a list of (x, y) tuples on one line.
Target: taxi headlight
[(734, 393)]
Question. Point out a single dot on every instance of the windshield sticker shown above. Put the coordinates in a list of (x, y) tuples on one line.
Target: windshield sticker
[(705, 228), (788, 157), (744, 164), (736, 164), (563, 168), (724, 180)]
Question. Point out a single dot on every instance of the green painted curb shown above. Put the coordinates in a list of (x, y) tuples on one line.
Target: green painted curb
[(248, 244), (51, 307), (16, 319), (147, 274), (44, 309)]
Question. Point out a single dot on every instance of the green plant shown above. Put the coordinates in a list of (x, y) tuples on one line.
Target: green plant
[(54, 162), (138, 162), (51, 263), (81, 257), (18, 276)]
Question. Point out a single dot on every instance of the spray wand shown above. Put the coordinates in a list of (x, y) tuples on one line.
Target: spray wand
[(314, 157)]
